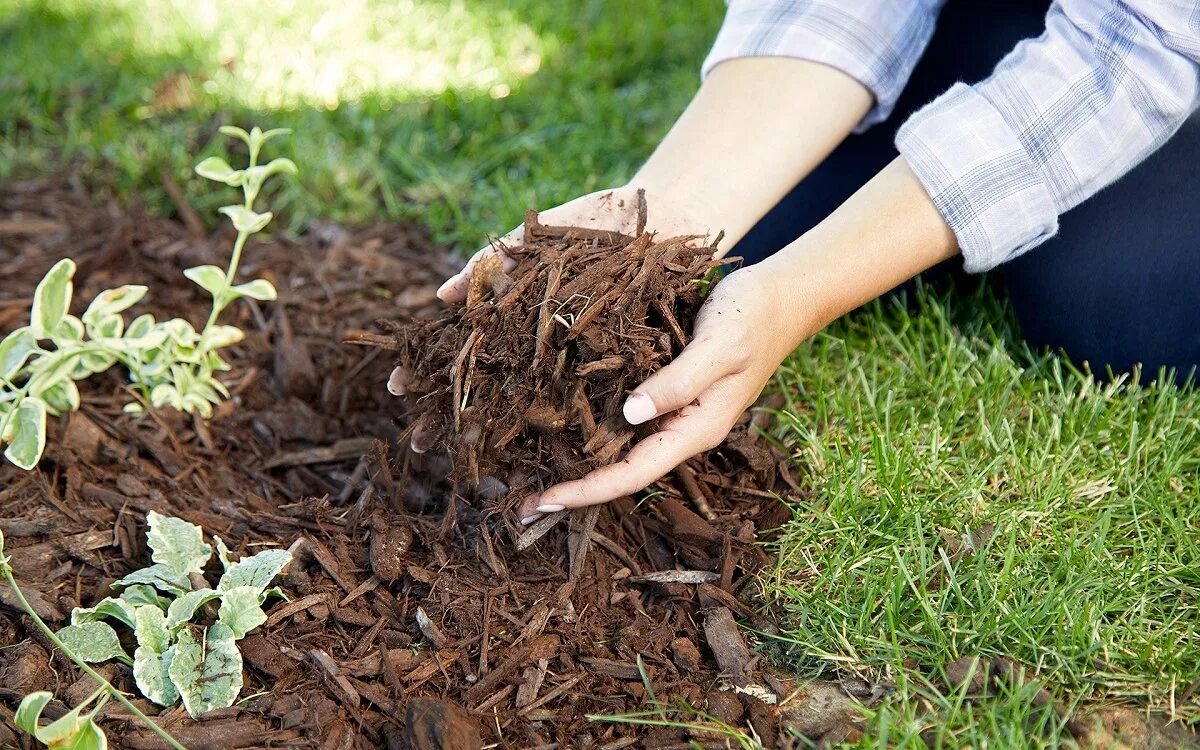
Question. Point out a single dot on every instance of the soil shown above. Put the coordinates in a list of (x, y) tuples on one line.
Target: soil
[(414, 621)]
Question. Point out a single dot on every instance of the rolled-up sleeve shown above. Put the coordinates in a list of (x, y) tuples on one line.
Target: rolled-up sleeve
[(876, 42), (1061, 117)]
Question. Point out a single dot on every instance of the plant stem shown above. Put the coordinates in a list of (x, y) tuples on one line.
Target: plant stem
[(166, 737)]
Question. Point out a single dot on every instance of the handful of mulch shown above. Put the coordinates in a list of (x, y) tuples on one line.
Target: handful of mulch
[(525, 382)]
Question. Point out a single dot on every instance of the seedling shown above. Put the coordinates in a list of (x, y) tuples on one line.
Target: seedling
[(182, 653), (169, 362)]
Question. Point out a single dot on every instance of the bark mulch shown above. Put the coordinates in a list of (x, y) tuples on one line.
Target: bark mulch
[(413, 620)]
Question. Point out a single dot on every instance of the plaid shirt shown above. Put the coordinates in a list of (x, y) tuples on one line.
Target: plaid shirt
[(1061, 117)]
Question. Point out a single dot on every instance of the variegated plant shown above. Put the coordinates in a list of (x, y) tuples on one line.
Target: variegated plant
[(169, 362), (177, 658)]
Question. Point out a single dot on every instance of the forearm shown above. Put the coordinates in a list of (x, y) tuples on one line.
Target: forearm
[(886, 233), (755, 129)]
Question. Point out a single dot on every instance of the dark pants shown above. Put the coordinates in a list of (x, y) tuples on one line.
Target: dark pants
[(1119, 284)]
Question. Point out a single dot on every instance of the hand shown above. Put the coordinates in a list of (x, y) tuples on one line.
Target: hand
[(613, 210), (741, 335)]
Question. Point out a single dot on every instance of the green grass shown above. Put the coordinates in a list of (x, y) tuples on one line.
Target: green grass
[(460, 114), (909, 426), (905, 424)]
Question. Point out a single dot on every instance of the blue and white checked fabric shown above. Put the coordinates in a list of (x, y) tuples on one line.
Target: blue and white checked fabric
[(1061, 117)]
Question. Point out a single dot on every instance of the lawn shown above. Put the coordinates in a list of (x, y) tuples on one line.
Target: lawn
[(909, 425)]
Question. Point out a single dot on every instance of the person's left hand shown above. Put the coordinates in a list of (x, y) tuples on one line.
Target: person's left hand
[(743, 331)]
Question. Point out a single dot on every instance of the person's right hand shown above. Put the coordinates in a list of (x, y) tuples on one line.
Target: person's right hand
[(613, 210)]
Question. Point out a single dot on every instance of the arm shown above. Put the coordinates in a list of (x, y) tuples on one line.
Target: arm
[(1061, 117), (885, 233), (756, 127)]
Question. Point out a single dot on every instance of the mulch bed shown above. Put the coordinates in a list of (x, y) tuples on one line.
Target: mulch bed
[(413, 621)]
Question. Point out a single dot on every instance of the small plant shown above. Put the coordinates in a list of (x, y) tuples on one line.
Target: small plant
[(76, 729), (169, 362), (176, 658)]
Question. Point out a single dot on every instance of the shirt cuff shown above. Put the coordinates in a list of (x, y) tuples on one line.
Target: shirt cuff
[(984, 182), (877, 49)]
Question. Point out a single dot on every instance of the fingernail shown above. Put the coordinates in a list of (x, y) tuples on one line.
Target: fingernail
[(446, 286), (530, 519), (397, 382), (639, 408), (551, 508)]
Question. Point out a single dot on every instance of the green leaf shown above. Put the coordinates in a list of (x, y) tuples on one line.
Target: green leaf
[(241, 609), (116, 608), (184, 608), (15, 350), (106, 327), (152, 672), (27, 438), (113, 301), (62, 397), (30, 711), (93, 642), (177, 544), (208, 671), (52, 298), (222, 552), (211, 278), (89, 737), (161, 577), (256, 571), (259, 289), (245, 220), (235, 132), (150, 628), (216, 168), (140, 594), (272, 133)]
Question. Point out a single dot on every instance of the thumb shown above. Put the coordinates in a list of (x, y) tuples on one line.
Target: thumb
[(678, 384)]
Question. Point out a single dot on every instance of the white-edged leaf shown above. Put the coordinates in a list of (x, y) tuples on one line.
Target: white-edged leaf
[(245, 220), (259, 289), (62, 397), (15, 350), (26, 437), (222, 552), (219, 336), (274, 592), (140, 326), (207, 671), (150, 628), (113, 607), (73, 731), (70, 328), (256, 571), (93, 641), (161, 577), (52, 298), (211, 278), (176, 543), (113, 301), (241, 609), (30, 710), (183, 608), (216, 168), (152, 671)]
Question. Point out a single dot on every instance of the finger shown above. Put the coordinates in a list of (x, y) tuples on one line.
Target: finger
[(397, 384), (454, 289), (679, 383), (649, 460)]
